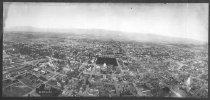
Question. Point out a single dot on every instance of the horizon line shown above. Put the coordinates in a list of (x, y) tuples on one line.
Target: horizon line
[(65, 30)]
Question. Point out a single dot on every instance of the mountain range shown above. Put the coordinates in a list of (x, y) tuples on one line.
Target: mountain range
[(107, 34)]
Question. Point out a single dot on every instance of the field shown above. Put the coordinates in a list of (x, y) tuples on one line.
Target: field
[(16, 90)]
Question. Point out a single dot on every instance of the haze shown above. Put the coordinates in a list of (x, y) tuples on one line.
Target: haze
[(186, 20)]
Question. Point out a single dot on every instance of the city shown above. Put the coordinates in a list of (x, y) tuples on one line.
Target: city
[(46, 65)]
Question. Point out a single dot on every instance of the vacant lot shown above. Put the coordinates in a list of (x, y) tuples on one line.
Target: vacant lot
[(16, 90)]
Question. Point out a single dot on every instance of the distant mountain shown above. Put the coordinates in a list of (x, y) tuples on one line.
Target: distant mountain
[(25, 29), (106, 35), (162, 39)]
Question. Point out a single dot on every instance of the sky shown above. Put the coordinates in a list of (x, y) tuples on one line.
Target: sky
[(186, 20)]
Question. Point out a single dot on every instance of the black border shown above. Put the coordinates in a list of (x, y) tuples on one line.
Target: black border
[(93, 1), (116, 1)]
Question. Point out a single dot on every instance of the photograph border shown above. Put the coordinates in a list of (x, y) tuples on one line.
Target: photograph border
[(96, 1)]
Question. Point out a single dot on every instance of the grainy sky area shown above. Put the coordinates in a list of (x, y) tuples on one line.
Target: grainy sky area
[(188, 20)]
